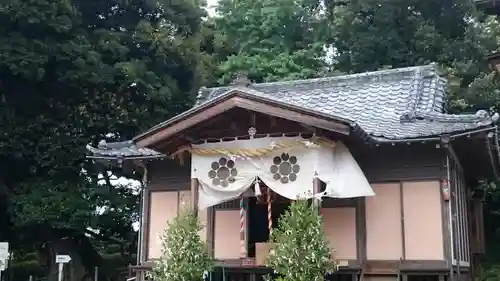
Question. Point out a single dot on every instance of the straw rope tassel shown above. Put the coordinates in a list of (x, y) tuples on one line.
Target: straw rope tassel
[(269, 212), (247, 152), (242, 228)]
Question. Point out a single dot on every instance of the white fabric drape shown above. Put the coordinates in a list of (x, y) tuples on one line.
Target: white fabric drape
[(288, 172), (342, 175)]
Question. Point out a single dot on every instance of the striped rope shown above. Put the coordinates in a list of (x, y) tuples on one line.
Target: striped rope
[(269, 212), (242, 229)]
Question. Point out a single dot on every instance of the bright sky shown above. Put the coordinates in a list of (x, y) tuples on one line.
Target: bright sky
[(211, 8)]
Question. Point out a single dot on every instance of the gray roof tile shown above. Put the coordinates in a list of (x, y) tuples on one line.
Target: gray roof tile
[(392, 104), (388, 105), (125, 149)]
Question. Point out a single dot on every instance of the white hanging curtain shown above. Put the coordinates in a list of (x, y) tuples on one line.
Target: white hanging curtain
[(287, 165)]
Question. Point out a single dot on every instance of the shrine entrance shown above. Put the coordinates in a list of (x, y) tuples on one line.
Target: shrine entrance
[(258, 219)]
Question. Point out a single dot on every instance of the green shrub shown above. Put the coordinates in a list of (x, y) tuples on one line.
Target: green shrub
[(300, 251), (185, 255)]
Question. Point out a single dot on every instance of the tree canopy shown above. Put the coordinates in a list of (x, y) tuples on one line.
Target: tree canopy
[(77, 71), (372, 35), (273, 39), (72, 72)]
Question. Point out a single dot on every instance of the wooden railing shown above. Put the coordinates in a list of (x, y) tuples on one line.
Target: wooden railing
[(231, 273)]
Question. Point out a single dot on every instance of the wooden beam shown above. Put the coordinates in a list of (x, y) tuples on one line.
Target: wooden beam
[(165, 145), (374, 267), (329, 202), (309, 128), (222, 122), (447, 247), (292, 115), (170, 184), (186, 123), (402, 216), (210, 230), (272, 121), (194, 196), (143, 232), (279, 110), (246, 204), (361, 230), (317, 189), (146, 224)]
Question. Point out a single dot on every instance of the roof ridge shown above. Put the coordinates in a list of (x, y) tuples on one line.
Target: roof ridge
[(205, 92), (121, 149), (481, 117), (414, 109), (355, 75), (432, 66), (416, 93)]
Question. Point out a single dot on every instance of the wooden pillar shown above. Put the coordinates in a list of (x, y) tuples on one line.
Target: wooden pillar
[(145, 223), (316, 190), (146, 213), (194, 196), (211, 230), (402, 214), (143, 243), (361, 229)]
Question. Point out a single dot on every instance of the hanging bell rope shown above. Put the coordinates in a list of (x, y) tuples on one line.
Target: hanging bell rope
[(243, 249), (269, 212)]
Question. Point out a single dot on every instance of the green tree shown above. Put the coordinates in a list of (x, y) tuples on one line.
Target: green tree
[(301, 251), (374, 34), (272, 39), (184, 255), (73, 72)]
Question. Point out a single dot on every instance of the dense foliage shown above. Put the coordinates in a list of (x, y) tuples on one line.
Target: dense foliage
[(300, 250), (184, 255), (372, 34), (76, 71), (71, 72), (273, 39)]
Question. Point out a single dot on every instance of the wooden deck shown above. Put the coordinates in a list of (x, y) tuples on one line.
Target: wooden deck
[(245, 270)]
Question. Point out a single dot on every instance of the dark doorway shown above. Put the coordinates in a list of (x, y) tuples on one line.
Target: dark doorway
[(257, 220)]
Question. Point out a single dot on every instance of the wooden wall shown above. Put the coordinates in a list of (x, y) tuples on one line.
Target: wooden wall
[(383, 223), (166, 200), (227, 234), (422, 218), (398, 173), (409, 215), (340, 230), (163, 208), (400, 162)]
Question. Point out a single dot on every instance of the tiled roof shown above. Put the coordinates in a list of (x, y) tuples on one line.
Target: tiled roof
[(125, 149), (395, 104), (388, 105)]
